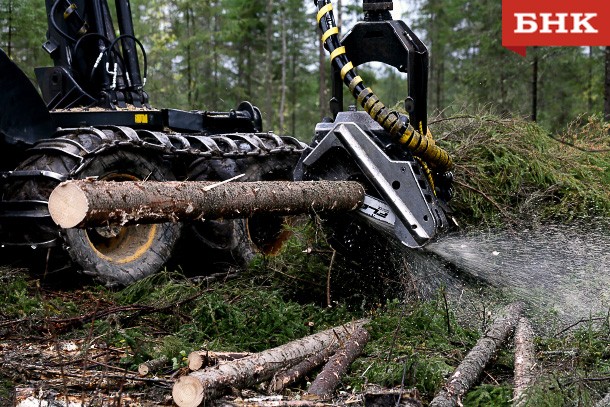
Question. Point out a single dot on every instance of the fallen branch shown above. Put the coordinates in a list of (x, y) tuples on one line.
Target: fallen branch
[(524, 360), (191, 390), (471, 367), (484, 195), (152, 365), (330, 376)]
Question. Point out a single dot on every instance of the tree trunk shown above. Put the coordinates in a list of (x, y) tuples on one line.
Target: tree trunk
[(330, 376), (85, 203), (9, 48), (471, 367), (292, 375), (269, 67), (524, 360), (202, 358), (258, 402), (323, 92), (282, 109), (607, 86), (208, 383), (535, 86)]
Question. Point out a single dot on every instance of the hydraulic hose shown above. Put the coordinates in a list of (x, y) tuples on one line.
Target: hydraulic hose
[(397, 125)]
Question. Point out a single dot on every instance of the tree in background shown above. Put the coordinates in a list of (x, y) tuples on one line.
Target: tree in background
[(212, 55), (22, 33), (607, 84)]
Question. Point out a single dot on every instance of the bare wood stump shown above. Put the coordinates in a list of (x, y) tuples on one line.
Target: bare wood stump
[(471, 367), (191, 390)]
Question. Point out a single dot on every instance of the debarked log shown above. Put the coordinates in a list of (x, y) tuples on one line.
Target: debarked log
[(466, 374), (88, 203), (211, 382)]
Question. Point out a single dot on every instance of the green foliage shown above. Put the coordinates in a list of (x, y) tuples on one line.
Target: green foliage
[(300, 268), (412, 340), (513, 170), (14, 290), (488, 396)]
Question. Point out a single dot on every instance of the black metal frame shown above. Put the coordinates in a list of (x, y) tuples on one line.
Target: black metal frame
[(90, 67)]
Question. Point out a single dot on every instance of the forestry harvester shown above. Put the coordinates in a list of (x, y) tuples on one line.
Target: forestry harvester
[(94, 122)]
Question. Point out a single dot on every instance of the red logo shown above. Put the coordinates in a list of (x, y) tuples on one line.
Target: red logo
[(554, 22)]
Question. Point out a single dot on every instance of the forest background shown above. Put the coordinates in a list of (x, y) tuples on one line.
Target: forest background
[(210, 55)]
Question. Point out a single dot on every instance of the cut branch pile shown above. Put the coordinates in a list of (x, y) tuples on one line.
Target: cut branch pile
[(212, 382)]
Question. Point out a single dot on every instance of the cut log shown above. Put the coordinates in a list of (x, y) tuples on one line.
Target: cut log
[(273, 403), (202, 358), (524, 361), (284, 378), (471, 367), (87, 203), (328, 379), (152, 365), (191, 390)]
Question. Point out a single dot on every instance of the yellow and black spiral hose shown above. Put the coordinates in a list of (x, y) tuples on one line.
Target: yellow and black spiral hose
[(420, 144)]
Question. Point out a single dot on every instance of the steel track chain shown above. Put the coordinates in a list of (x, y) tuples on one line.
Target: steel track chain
[(218, 146)]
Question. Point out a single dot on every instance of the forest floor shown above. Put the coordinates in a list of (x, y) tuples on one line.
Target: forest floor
[(66, 341), (69, 342)]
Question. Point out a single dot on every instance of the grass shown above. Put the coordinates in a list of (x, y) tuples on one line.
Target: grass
[(507, 171)]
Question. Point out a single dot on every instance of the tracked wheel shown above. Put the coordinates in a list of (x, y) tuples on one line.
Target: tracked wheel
[(113, 255)]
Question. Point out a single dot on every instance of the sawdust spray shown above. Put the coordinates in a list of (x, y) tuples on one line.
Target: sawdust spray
[(560, 271)]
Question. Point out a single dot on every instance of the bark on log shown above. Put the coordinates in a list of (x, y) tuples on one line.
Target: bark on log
[(328, 379), (471, 367), (275, 403), (284, 378), (202, 358), (524, 361), (152, 365), (191, 390), (87, 203)]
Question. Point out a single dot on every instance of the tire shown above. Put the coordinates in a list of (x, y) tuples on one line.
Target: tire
[(123, 255), (112, 255), (229, 243)]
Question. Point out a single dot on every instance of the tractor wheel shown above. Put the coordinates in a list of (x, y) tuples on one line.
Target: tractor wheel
[(123, 254), (112, 255), (230, 243)]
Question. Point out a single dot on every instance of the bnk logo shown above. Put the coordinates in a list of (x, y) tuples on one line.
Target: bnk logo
[(554, 23)]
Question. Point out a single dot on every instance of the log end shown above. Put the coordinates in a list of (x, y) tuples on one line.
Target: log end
[(188, 392), (143, 370), (68, 205), (195, 361)]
